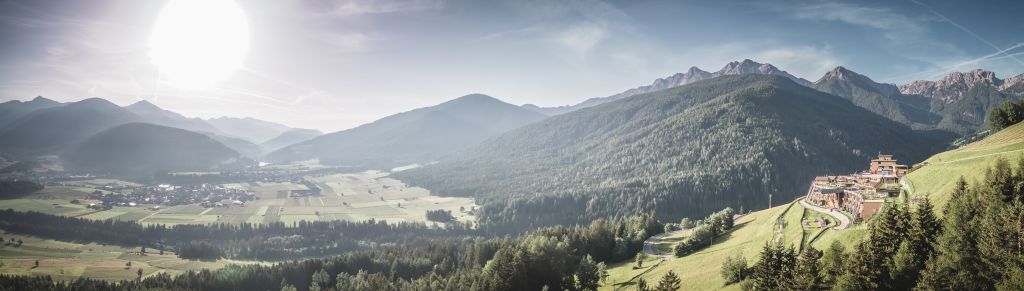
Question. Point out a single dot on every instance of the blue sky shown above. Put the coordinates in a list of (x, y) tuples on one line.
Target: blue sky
[(333, 65)]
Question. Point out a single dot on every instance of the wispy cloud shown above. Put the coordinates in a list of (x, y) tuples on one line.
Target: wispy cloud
[(896, 26), (361, 7), (581, 38)]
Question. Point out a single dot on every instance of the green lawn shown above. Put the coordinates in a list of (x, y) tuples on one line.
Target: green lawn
[(936, 179), (700, 271)]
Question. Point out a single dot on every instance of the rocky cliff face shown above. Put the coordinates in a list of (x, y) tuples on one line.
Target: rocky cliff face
[(843, 74), (953, 86), (695, 74)]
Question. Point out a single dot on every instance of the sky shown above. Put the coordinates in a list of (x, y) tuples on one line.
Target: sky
[(333, 65)]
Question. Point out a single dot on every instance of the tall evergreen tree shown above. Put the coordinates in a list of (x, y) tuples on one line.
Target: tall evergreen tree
[(587, 274), (669, 282), (775, 268), (864, 270), (832, 263), (807, 274), (957, 265)]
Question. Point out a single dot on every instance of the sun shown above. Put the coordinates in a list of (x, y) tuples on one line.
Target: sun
[(199, 43)]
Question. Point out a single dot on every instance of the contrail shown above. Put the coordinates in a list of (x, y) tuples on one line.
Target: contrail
[(992, 56), (961, 27)]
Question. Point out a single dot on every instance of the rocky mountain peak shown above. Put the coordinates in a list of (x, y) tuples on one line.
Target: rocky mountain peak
[(842, 74), (953, 86)]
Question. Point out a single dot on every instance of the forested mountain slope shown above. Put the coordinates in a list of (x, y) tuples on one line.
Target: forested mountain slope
[(883, 99), (15, 109), (682, 152), (416, 136), (141, 148), (54, 129)]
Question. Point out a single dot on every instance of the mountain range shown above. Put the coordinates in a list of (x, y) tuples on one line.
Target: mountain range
[(679, 152), (747, 130), (418, 136), (957, 103), (140, 149), (694, 74)]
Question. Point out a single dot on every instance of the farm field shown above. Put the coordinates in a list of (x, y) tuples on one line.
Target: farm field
[(353, 197), (68, 261)]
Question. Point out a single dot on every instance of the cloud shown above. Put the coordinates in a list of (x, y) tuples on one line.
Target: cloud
[(362, 7), (346, 42), (582, 38), (807, 62), (895, 25)]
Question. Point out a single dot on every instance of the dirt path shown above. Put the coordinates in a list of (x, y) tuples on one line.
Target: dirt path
[(844, 221), (649, 244), (978, 157)]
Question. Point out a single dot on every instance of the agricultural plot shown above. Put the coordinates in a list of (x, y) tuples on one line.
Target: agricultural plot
[(354, 197), (68, 261)]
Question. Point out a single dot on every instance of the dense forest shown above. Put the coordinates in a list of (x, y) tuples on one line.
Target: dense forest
[(18, 189), (556, 258), (274, 241), (682, 152), (977, 245)]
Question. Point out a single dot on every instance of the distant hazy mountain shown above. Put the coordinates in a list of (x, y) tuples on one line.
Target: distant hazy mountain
[(290, 137), (142, 148), (694, 74), (50, 130), (420, 135), (959, 102), (15, 109), (883, 99), (156, 115), (679, 152), (251, 129)]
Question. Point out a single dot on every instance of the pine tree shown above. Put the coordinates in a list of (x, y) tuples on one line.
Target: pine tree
[(774, 268), (832, 263), (904, 267), (807, 272), (956, 265), (587, 274), (864, 271), (1001, 244), (641, 285), (669, 282)]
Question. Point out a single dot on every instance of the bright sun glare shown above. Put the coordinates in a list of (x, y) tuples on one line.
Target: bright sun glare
[(198, 43)]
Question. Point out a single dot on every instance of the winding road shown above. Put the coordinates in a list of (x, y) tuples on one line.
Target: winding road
[(844, 221)]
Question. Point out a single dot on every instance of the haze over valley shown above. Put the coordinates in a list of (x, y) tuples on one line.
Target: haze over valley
[(463, 145)]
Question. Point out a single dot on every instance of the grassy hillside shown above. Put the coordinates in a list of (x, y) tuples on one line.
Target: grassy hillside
[(684, 151), (700, 271), (939, 175)]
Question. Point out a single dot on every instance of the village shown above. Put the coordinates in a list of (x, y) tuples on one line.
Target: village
[(860, 195)]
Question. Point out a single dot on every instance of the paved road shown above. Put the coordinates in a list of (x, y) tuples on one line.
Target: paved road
[(844, 221)]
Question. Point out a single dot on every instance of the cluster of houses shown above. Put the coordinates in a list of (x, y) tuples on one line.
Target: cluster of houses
[(208, 195), (860, 194)]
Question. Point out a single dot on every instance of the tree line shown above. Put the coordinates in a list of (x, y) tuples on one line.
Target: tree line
[(272, 241), (705, 232), (555, 258)]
